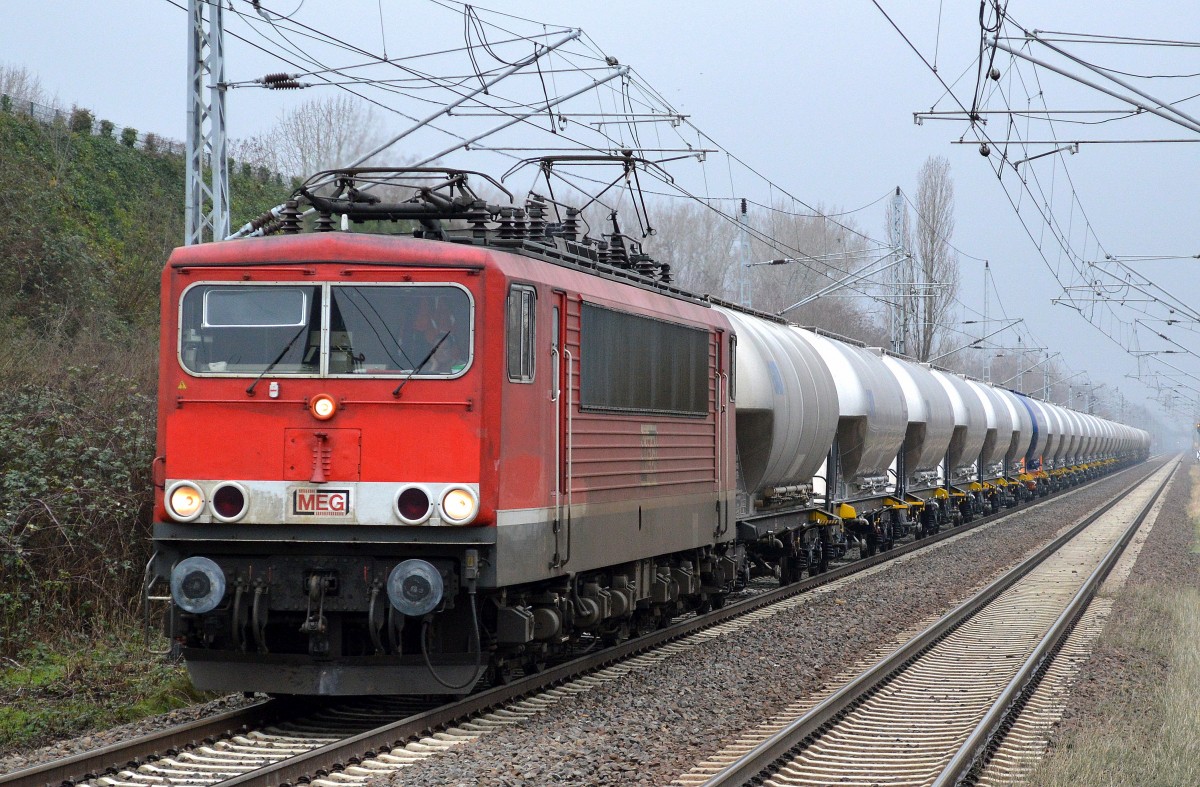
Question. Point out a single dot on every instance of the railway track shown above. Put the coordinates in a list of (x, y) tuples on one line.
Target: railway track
[(934, 710), (279, 742)]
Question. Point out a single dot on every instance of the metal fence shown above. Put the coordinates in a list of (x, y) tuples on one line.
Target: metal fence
[(84, 121)]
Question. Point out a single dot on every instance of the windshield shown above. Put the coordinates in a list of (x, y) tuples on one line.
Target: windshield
[(248, 330), (383, 329), (386, 330)]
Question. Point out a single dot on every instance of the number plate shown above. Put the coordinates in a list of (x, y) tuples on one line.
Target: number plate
[(320, 502)]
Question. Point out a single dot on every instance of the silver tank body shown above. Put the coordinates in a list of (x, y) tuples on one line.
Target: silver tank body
[(1067, 448), (930, 421), (1055, 442), (999, 430), (1110, 439), (1092, 446), (1104, 447), (1022, 426), (970, 425), (1088, 438), (1075, 444), (1042, 428), (787, 404), (874, 415), (1083, 450)]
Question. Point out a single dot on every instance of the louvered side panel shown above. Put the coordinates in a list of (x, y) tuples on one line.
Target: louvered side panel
[(620, 456)]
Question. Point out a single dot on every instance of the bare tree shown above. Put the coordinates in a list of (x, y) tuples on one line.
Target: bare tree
[(696, 242), (935, 285), (826, 254), (700, 245), (21, 86), (319, 134)]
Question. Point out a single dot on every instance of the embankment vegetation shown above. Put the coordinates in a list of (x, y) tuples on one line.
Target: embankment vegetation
[(86, 223)]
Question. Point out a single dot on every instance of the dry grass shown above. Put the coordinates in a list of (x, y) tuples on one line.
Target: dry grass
[(1145, 728), (1193, 507)]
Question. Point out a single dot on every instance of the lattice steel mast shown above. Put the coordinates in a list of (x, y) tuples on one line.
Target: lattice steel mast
[(207, 200)]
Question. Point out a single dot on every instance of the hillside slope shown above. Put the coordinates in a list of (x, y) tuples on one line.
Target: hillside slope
[(86, 224)]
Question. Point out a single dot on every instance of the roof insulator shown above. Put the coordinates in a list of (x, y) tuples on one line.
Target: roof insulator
[(280, 82)]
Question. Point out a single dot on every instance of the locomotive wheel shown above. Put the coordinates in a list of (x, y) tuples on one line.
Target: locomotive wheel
[(616, 636), (504, 672), (643, 623), (822, 563)]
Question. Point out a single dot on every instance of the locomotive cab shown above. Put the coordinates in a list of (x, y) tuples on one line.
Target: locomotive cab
[(322, 462)]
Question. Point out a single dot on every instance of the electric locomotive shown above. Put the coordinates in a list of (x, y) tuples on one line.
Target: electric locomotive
[(390, 464)]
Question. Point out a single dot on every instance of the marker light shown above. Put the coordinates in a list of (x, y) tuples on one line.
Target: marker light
[(197, 585), (185, 501), (414, 587), (323, 407), (413, 506), (459, 505), (229, 502)]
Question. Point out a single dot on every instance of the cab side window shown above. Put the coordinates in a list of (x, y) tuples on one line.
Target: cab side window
[(521, 325)]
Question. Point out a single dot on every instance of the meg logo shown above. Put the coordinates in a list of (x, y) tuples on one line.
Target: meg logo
[(321, 502)]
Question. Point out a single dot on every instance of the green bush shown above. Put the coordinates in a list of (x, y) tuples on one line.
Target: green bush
[(128, 137), (75, 496), (106, 129), (82, 121)]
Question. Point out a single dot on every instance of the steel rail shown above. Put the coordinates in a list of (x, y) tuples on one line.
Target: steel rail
[(975, 752), (121, 755), (786, 742)]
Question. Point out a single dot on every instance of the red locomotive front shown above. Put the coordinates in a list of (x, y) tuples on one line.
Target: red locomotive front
[(322, 398)]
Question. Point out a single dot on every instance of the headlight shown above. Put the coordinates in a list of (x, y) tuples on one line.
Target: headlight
[(459, 505), (197, 585), (414, 587), (185, 501), (322, 406)]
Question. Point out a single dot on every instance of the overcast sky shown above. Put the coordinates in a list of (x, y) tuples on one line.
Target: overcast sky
[(817, 96)]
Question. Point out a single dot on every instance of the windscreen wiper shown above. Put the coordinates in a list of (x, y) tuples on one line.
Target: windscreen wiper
[(275, 362), (421, 365)]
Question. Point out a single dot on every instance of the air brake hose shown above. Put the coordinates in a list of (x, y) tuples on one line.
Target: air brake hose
[(478, 648)]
